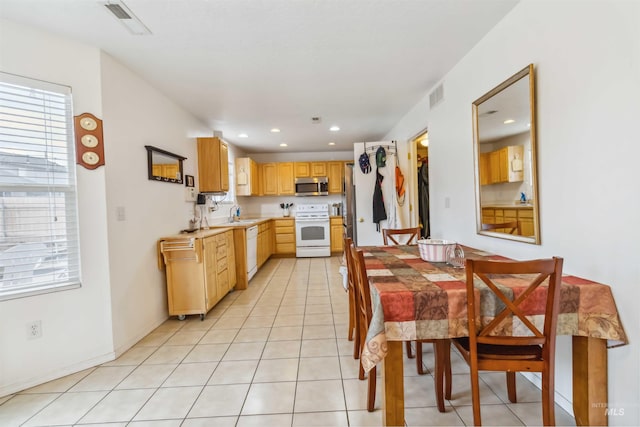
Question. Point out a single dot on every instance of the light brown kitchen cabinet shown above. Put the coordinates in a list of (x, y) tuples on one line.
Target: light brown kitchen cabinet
[(286, 186), (318, 169), (335, 174), (197, 271), (270, 179), (213, 165), (302, 169), (285, 236), (503, 165), (499, 214), (337, 235), (247, 179), (265, 242)]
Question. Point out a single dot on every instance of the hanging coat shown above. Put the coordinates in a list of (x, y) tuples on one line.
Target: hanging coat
[(423, 199), (379, 212)]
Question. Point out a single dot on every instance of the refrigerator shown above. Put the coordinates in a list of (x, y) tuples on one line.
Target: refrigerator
[(349, 203)]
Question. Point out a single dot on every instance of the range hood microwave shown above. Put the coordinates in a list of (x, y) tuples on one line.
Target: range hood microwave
[(317, 186)]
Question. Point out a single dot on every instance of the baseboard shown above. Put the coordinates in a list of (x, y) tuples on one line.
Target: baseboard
[(560, 400), (56, 374)]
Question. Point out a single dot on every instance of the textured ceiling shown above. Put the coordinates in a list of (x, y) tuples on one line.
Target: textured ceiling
[(246, 66)]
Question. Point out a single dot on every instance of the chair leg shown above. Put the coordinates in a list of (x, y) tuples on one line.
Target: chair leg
[(548, 405), (446, 348), (409, 353), (511, 387), (438, 350), (356, 343), (371, 390), (419, 365), (475, 394)]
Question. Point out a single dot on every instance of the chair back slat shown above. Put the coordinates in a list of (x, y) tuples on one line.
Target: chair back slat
[(362, 283), (391, 234), (548, 271)]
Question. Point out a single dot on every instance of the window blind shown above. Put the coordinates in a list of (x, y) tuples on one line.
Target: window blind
[(39, 245)]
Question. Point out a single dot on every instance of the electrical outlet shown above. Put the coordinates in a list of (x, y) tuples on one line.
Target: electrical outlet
[(34, 329)]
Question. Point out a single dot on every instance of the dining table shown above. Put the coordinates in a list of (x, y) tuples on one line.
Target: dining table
[(413, 299)]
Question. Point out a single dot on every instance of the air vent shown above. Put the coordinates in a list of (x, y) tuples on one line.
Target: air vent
[(126, 17), (117, 10), (436, 96), (316, 120)]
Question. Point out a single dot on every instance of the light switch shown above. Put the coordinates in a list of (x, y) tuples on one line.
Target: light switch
[(190, 194), (120, 213)]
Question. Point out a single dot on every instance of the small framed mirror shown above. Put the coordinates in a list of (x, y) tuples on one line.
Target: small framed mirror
[(504, 130), (164, 166)]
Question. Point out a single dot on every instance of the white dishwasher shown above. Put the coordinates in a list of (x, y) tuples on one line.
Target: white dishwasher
[(252, 251)]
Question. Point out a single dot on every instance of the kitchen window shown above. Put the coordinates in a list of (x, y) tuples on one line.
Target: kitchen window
[(39, 245)]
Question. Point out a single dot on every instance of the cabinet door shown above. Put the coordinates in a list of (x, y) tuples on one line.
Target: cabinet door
[(253, 167), (503, 165), (337, 235), (484, 169), (335, 173), (213, 166), (211, 288), (270, 179), (318, 168), (260, 187), (285, 179), (302, 169), (231, 259), (494, 167)]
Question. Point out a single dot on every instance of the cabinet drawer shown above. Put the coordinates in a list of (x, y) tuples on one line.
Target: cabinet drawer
[(221, 264), (221, 252), (525, 213), (285, 248), (285, 238), (336, 221), (284, 222), (285, 230)]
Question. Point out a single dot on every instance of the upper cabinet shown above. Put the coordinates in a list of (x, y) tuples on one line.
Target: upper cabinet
[(302, 169), (285, 179), (503, 165), (270, 179), (335, 173), (213, 165), (247, 178), (318, 168)]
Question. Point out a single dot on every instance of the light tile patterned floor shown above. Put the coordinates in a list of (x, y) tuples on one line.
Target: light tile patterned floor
[(273, 355)]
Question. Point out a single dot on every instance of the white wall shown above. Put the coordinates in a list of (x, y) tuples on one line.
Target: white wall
[(587, 58), (76, 324), (135, 115)]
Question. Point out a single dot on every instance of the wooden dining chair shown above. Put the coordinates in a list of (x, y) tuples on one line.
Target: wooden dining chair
[(530, 350), (354, 328), (366, 314), (392, 234), (511, 227)]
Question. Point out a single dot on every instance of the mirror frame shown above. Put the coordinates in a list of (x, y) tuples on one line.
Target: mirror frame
[(150, 150), (528, 71)]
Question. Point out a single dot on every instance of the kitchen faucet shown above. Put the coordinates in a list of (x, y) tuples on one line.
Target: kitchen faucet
[(234, 212)]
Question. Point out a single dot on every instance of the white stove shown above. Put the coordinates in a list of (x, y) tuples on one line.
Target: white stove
[(313, 230)]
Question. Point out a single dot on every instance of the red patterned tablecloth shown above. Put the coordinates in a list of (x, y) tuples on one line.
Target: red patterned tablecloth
[(414, 299)]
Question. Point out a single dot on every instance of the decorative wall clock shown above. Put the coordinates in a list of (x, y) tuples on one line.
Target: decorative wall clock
[(89, 141)]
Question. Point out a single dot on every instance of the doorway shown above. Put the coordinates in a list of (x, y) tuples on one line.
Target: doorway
[(420, 145)]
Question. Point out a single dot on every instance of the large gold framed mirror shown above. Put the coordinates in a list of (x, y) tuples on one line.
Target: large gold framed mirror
[(504, 130)]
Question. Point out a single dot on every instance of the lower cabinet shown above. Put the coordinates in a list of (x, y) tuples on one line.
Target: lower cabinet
[(337, 235), (285, 236), (497, 215), (265, 242), (198, 273)]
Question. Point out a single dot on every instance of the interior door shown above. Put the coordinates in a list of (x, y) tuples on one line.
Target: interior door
[(366, 234)]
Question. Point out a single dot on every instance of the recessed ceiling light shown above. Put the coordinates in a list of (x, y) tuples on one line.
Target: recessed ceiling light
[(283, 145), (243, 135), (334, 128), (508, 121), (425, 142), (332, 143), (275, 130)]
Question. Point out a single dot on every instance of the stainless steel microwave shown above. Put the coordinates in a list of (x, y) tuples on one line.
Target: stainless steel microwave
[(317, 186)]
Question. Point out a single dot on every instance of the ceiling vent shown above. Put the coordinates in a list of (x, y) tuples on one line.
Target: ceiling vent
[(436, 96), (316, 120), (127, 18)]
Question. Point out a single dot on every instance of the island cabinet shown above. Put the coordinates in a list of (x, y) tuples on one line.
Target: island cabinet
[(198, 270), (213, 165), (337, 234), (285, 237)]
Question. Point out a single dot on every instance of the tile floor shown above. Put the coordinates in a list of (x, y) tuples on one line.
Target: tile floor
[(275, 354)]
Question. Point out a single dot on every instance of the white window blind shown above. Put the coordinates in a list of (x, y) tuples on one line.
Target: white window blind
[(39, 249)]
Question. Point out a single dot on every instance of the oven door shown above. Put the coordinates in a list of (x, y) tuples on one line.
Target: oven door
[(312, 232)]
